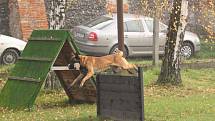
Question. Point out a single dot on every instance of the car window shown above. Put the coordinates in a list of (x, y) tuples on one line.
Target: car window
[(99, 22), (149, 23), (163, 27), (125, 27), (134, 26), (103, 25)]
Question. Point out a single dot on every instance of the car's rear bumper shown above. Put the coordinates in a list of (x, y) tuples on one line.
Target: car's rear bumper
[(92, 49)]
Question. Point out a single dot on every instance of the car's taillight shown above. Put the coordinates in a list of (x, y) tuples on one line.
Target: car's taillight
[(92, 36)]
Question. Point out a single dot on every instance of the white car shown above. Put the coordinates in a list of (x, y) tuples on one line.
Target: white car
[(10, 49)]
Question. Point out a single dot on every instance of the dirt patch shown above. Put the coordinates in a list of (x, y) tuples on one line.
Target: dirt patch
[(199, 65), (160, 91)]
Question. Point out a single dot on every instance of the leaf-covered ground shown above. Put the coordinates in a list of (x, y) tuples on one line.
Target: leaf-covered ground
[(194, 101)]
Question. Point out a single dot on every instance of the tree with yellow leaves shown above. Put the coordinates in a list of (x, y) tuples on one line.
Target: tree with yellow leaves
[(170, 70)]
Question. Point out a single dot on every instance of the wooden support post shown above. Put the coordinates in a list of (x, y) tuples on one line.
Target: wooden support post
[(156, 37), (120, 24)]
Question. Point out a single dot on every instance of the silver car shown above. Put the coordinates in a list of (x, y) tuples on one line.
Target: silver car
[(99, 36)]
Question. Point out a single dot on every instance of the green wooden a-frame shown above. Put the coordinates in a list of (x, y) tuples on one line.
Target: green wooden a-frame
[(45, 48)]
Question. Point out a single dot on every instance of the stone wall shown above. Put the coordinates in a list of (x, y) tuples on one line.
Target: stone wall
[(4, 18), (80, 11)]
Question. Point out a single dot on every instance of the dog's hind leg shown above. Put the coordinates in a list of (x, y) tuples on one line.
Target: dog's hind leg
[(80, 76)]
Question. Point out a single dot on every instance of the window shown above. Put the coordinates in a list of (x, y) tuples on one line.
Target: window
[(163, 27), (134, 26), (125, 27), (149, 23), (99, 22)]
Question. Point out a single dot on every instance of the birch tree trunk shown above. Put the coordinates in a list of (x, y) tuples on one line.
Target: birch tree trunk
[(170, 70), (57, 14), (56, 21)]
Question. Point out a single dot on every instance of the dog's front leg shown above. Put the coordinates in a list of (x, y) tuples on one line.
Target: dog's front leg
[(89, 74), (128, 66), (133, 66), (78, 78)]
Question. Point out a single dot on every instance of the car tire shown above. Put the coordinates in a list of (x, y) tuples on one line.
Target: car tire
[(187, 50), (125, 51), (9, 56)]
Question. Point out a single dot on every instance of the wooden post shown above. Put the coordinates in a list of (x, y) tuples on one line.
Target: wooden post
[(156, 37), (120, 24)]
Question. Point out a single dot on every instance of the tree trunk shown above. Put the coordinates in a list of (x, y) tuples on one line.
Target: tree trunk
[(56, 21), (170, 70), (57, 14), (52, 81)]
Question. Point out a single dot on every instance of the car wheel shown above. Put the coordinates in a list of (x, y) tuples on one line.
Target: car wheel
[(125, 51), (9, 56), (187, 50)]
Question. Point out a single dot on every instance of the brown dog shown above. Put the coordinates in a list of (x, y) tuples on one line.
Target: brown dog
[(102, 63)]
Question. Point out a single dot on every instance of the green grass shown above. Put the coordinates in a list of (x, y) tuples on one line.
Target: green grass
[(194, 101), (52, 106), (203, 78), (207, 51), (199, 107)]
